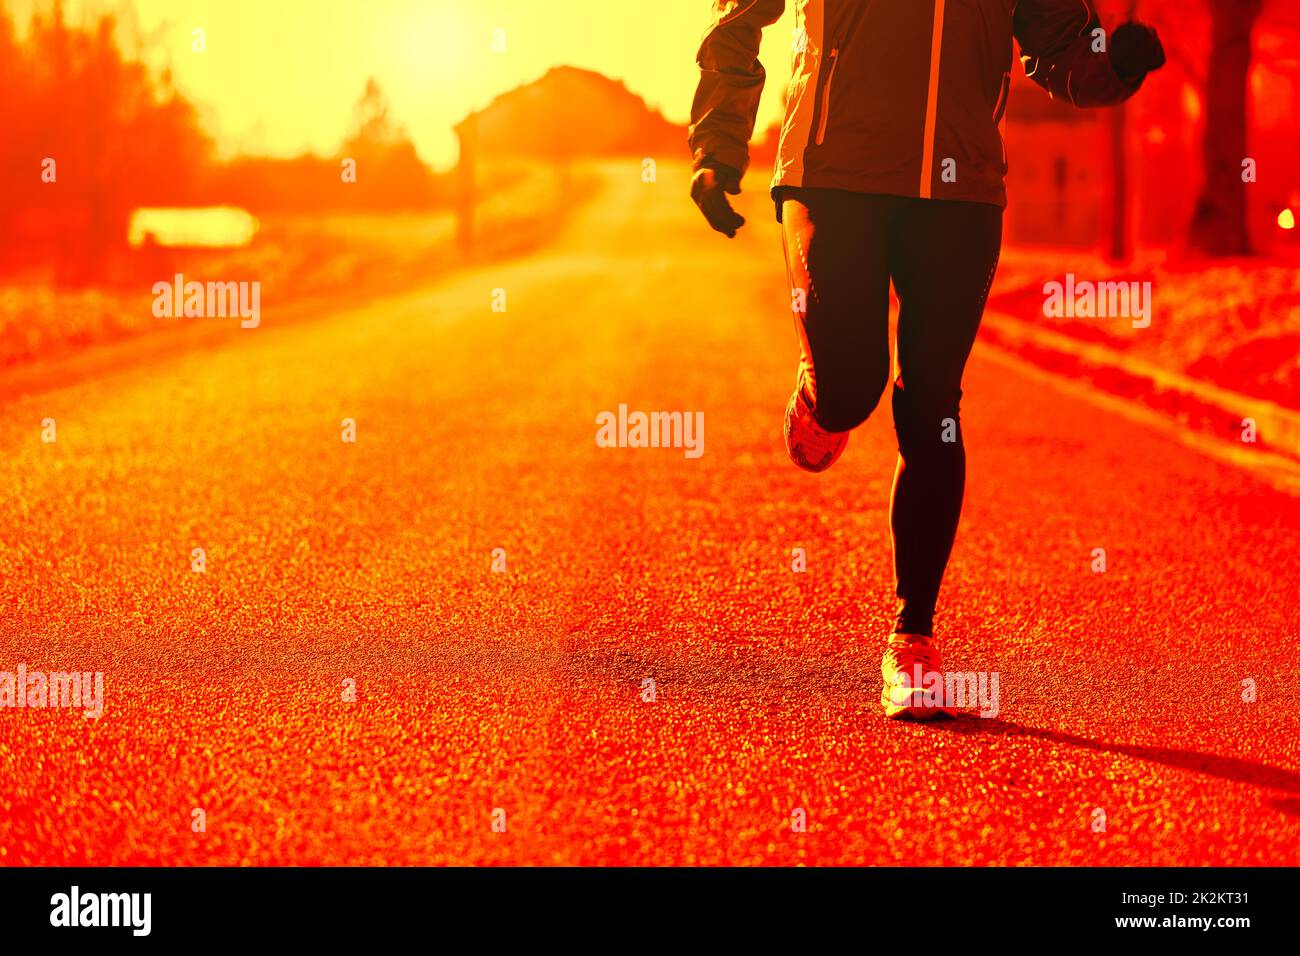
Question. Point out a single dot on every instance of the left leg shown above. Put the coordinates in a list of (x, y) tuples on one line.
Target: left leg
[(943, 256)]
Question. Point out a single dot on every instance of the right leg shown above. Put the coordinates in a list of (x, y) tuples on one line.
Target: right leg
[(838, 265), (945, 255)]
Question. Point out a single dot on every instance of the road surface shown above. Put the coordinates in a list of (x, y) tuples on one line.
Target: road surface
[(518, 697)]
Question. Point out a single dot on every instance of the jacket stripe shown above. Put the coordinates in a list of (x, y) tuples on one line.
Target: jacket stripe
[(932, 101), (826, 97)]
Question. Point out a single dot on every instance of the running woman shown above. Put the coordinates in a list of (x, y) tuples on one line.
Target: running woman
[(891, 168)]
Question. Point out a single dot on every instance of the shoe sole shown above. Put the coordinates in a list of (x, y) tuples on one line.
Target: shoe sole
[(918, 712)]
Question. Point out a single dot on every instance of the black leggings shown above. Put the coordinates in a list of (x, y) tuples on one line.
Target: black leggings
[(842, 249)]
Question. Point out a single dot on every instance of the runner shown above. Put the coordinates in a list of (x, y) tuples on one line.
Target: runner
[(891, 168)]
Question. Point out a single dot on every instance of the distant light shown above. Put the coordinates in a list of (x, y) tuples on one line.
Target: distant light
[(210, 226), (1286, 219)]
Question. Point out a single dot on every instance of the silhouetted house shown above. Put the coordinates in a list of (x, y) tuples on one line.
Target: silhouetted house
[(1057, 169), (566, 113), (1061, 166)]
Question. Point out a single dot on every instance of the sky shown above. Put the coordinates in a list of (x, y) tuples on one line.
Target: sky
[(281, 76)]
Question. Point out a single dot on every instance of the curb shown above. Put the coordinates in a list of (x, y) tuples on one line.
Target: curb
[(1197, 405)]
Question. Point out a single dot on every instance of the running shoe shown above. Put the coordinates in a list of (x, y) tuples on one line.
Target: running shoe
[(811, 447), (908, 660)]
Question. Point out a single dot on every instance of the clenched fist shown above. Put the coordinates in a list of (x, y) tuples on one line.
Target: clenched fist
[(1135, 50), (709, 189)]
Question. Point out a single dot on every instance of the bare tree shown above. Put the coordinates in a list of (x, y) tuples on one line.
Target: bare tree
[(1219, 223), (1120, 207)]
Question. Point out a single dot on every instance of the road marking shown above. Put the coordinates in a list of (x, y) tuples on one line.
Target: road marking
[(1279, 472)]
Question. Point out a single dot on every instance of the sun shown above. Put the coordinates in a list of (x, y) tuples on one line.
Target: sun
[(432, 44), (430, 57)]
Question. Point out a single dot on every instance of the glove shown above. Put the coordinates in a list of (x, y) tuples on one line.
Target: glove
[(1135, 51), (709, 187)]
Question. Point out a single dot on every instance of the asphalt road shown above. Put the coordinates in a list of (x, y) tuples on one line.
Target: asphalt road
[(523, 690)]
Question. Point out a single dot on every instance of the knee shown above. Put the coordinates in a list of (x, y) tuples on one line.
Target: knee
[(844, 405), (927, 420)]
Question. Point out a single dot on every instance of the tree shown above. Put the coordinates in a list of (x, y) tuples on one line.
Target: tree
[(1219, 223), (391, 174), (121, 137), (372, 126), (1120, 211)]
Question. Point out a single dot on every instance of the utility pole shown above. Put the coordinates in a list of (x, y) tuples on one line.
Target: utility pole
[(467, 134)]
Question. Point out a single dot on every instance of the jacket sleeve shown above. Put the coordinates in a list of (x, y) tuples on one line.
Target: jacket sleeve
[(1056, 46), (731, 81)]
